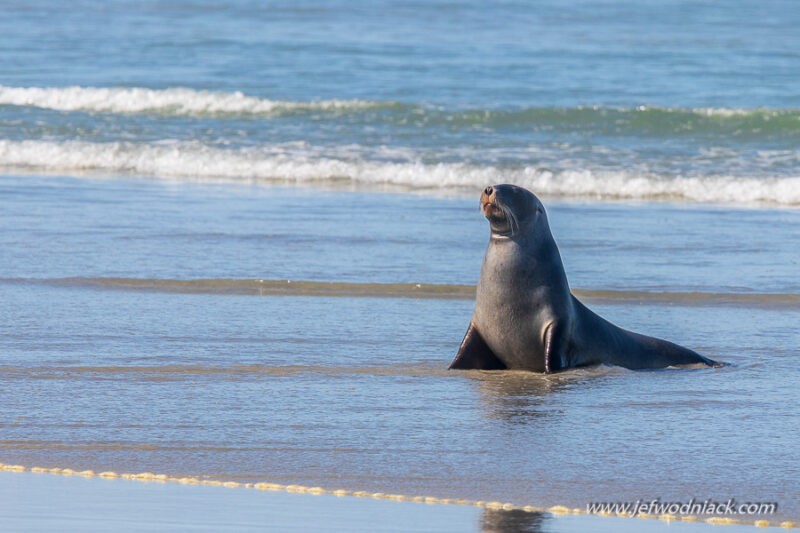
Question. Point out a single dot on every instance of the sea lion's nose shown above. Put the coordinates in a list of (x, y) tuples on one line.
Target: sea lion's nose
[(488, 190)]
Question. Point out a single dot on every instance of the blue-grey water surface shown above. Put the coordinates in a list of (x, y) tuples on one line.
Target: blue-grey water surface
[(352, 392)]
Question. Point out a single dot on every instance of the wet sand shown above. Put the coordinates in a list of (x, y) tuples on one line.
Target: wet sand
[(43, 502)]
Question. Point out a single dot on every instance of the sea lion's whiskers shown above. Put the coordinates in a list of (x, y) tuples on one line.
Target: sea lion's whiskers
[(514, 223), (512, 219), (504, 209)]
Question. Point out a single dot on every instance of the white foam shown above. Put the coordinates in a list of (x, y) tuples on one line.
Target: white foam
[(175, 101), (299, 164), (711, 111)]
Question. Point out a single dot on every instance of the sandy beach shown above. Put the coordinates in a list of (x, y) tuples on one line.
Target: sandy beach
[(41, 502)]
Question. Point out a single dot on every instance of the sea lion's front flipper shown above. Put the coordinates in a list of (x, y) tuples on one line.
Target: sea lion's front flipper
[(555, 346), (475, 354)]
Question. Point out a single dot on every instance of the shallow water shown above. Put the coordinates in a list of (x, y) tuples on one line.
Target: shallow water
[(129, 229), (350, 390)]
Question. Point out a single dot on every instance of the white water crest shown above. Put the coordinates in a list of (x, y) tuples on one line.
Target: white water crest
[(299, 164), (172, 101), (184, 101)]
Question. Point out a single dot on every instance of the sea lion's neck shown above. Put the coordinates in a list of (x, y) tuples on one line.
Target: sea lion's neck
[(531, 255)]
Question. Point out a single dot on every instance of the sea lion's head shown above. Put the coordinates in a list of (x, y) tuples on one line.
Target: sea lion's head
[(510, 210)]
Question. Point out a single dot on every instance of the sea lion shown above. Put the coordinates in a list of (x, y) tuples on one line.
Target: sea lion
[(525, 316)]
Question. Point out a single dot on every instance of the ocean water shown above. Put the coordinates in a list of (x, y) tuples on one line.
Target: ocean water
[(240, 240), (637, 100)]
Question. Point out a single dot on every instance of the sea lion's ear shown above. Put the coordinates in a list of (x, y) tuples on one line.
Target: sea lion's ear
[(475, 354)]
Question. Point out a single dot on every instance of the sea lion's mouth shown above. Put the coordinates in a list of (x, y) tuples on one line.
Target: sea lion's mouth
[(491, 210)]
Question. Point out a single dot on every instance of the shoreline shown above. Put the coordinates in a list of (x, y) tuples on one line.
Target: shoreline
[(427, 291), (557, 511)]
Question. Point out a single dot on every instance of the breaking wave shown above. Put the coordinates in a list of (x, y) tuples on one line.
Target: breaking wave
[(172, 101), (761, 123), (196, 161)]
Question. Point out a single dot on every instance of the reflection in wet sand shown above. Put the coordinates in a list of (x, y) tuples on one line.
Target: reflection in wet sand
[(518, 396), (513, 521)]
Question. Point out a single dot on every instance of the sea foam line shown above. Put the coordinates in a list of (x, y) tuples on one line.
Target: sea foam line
[(556, 510), (188, 101), (171, 101), (199, 162)]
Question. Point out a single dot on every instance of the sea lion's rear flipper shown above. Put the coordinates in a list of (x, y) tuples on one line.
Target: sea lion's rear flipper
[(475, 354)]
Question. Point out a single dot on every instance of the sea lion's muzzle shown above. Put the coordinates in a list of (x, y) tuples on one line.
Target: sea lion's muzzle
[(488, 202)]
